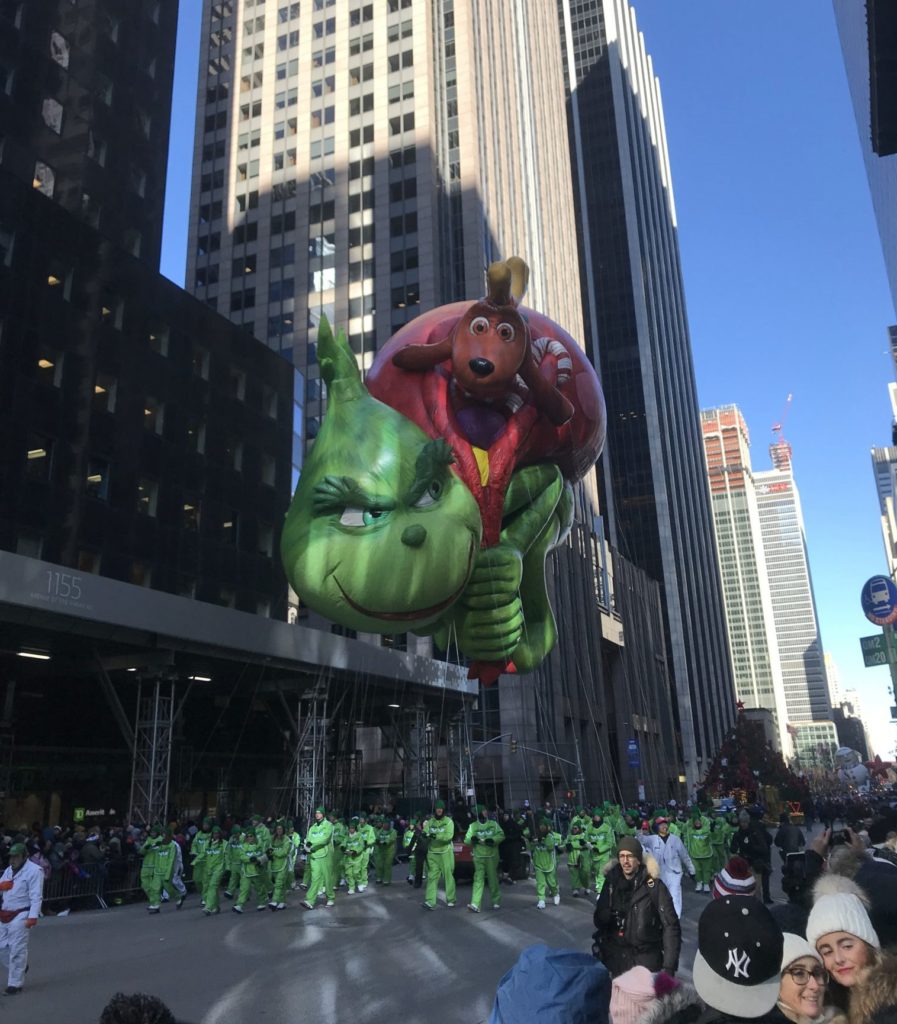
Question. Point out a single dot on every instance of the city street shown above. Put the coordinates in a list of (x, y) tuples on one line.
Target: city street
[(373, 957)]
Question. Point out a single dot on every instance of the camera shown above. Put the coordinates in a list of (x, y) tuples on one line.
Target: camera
[(840, 838)]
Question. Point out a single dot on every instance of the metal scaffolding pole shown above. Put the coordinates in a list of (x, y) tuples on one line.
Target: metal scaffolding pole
[(311, 775), (152, 750), (420, 765)]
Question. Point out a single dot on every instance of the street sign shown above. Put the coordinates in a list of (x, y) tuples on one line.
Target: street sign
[(633, 754), (877, 650), (78, 814), (879, 600)]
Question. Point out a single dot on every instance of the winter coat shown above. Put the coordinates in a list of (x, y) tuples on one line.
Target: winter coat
[(874, 999), (829, 1015), (636, 923), (789, 839), (683, 1006), (752, 843)]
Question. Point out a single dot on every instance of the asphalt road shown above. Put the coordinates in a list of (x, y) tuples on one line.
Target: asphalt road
[(374, 957)]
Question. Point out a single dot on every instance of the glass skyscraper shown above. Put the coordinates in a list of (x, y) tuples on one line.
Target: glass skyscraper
[(654, 490)]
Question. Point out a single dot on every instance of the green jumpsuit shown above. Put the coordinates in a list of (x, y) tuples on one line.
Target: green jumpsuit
[(579, 862), (337, 870), (252, 877), (601, 837), (440, 831), (148, 867), (263, 837), (212, 859), (718, 845), (281, 848), (355, 861), (484, 837), (370, 840), (384, 853), (700, 850), (164, 859), (543, 850), (232, 863), (200, 841), (317, 845)]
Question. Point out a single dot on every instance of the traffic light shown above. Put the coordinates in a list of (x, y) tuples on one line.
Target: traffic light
[(513, 745)]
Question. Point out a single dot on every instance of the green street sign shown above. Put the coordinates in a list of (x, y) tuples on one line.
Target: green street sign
[(877, 651)]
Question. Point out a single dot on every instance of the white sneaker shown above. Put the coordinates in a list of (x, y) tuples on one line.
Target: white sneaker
[(351, 892), (699, 887), (362, 888), (706, 887), (308, 905), (450, 904), (540, 905), (557, 898), (281, 906), (330, 903), (473, 908), (575, 892)]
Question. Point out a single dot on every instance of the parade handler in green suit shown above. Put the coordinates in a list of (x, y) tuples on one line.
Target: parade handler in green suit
[(440, 831), (484, 836), (317, 845)]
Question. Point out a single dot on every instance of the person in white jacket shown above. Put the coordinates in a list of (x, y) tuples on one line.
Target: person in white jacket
[(22, 887), (670, 853)]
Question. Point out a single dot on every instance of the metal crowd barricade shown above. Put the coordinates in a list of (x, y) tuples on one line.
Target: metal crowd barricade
[(101, 882)]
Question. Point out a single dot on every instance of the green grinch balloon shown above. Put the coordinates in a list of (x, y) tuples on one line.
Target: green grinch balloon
[(434, 493), (381, 535)]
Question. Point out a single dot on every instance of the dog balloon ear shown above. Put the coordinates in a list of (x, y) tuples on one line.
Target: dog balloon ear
[(519, 277), (498, 284), (423, 357)]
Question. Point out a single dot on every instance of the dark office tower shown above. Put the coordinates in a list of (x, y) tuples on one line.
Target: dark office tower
[(654, 487), (85, 104)]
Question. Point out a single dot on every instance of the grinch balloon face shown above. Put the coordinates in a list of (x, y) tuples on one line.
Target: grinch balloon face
[(381, 534)]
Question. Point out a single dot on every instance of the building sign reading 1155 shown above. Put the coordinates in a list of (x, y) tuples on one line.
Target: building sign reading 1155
[(64, 585)]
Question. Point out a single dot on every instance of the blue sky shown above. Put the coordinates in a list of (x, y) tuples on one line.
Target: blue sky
[(785, 282)]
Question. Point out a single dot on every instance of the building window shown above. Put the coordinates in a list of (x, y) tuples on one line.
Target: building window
[(59, 49), (112, 310), (158, 339), (201, 362), (96, 483), (104, 390), (233, 453), (153, 415), (229, 527), (140, 574), (190, 513), (265, 539), (38, 457), (89, 561), (49, 366), (44, 179), (51, 112), (147, 495), (269, 402), (30, 545), (196, 435)]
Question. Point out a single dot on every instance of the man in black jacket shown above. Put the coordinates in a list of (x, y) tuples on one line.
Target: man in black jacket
[(752, 842), (636, 923)]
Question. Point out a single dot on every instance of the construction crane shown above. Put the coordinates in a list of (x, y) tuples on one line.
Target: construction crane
[(780, 449)]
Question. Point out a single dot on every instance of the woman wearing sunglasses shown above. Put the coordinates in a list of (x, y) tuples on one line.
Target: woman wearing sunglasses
[(804, 983), (863, 977)]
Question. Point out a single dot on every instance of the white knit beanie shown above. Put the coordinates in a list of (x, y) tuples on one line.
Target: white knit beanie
[(794, 948), (840, 912)]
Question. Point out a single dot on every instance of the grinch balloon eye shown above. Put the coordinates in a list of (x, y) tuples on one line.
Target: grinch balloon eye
[(352, 517), (506, 331), (374, 515), (479, 325), (431, 495)]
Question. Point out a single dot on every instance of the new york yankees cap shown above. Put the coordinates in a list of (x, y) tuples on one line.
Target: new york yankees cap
[(739, 959)]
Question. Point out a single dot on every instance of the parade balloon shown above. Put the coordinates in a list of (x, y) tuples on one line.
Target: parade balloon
[(434, 494)]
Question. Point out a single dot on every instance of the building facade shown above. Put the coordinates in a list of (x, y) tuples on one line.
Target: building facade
[(653, 485), (867, 29), (749, 614), (85, 106), (791, 587)]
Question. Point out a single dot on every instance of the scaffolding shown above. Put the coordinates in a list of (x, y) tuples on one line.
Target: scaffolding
[(310, 778), (152, 749), (419, 755)]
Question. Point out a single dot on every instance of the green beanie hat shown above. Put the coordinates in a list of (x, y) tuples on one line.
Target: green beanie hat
[(481, 808), (207, 821), (235, 830), (18, 849), (250, 833), (216, 828), (439, 805), (320, 810)]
